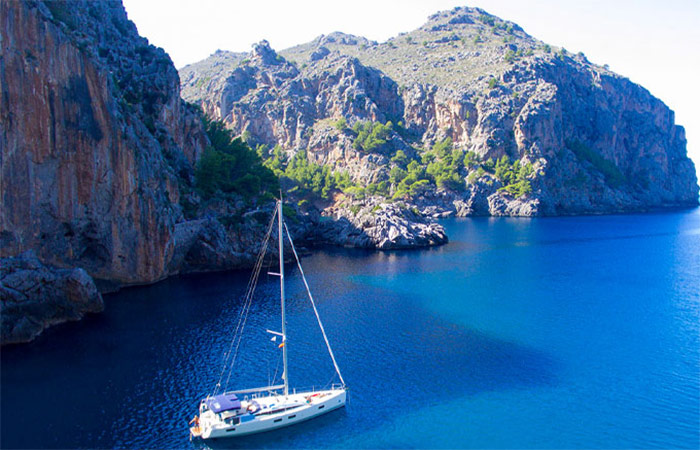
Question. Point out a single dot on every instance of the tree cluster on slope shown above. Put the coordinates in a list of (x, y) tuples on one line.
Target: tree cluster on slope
[(515, 176), (370, 136), (440, 167), (308, 177), (229, 166)]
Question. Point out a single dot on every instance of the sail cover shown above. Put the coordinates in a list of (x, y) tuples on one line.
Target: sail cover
[(223, 402)]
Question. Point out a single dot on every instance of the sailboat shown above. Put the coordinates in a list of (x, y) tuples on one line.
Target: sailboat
[(255, 410)]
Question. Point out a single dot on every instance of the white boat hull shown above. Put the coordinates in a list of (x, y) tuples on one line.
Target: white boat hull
[(295, 408)]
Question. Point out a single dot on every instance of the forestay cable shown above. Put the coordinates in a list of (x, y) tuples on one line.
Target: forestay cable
[(325, 338)]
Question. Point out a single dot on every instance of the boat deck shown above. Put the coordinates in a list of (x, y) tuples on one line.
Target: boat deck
[(268, 412)]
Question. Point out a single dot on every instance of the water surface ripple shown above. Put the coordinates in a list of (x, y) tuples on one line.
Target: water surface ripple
[(577, 332)]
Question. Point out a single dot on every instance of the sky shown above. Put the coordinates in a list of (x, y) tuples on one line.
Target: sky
[(654, 43)]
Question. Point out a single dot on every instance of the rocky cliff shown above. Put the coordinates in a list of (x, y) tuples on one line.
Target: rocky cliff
[(94, 138), (98, 164), (94, 134), (537, 130), (279, 104)]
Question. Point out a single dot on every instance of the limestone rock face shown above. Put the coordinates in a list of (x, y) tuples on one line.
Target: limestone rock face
[(279, 104), (502, 204), (597, 142), (205, 245), (94, 136), (34, 296), (578, 110)]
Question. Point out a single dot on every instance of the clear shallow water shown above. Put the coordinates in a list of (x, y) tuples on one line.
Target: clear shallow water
[(578, 332)]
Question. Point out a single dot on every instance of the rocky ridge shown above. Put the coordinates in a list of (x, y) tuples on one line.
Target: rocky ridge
[(277, 103), (594, 141)]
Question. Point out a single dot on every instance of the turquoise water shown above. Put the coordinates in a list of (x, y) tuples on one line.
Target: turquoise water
[(577, 332)]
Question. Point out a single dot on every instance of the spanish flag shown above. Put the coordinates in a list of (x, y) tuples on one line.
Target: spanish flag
[(281, 345)]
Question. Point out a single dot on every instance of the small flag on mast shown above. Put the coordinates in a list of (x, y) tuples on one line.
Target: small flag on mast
[(274, 338), (281, 345)]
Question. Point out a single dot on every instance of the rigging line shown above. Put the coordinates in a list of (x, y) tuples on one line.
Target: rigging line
[(261, 254), (228, 353), (236, 335), (231, 358), (323, 331), (246, 304), (234, 339), (253, 285), (329, 382), (250, 299), (238, 342)]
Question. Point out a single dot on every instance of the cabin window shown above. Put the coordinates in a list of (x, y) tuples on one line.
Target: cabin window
[(278, 420), (322, 406), (275, 411), (233, 420), (292, 416)]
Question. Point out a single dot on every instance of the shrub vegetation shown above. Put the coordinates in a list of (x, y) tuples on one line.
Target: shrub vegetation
[(341, 124), (310, 178), (370, 136), (612, 174), (515, 176)]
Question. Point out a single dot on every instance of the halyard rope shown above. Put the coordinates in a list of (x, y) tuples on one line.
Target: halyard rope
[(243, 315)]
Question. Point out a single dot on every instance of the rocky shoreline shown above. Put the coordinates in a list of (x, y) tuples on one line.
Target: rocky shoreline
[(35, 296), (378, 225), (371, 144)]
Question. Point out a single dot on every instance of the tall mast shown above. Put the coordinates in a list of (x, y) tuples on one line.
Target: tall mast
[(284, 328)]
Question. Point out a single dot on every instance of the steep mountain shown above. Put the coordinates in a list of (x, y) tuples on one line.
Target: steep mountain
[(94, 138), (108, 178), (94, 133), (485, 119)]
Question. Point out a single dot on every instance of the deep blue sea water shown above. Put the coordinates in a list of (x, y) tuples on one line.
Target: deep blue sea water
[(576, 332)]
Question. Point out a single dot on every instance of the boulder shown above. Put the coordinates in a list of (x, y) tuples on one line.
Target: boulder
[(375, 224), (34, 296), (502, 203)]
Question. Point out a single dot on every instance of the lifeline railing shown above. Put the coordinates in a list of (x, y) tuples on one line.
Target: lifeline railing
[(272, 389)]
